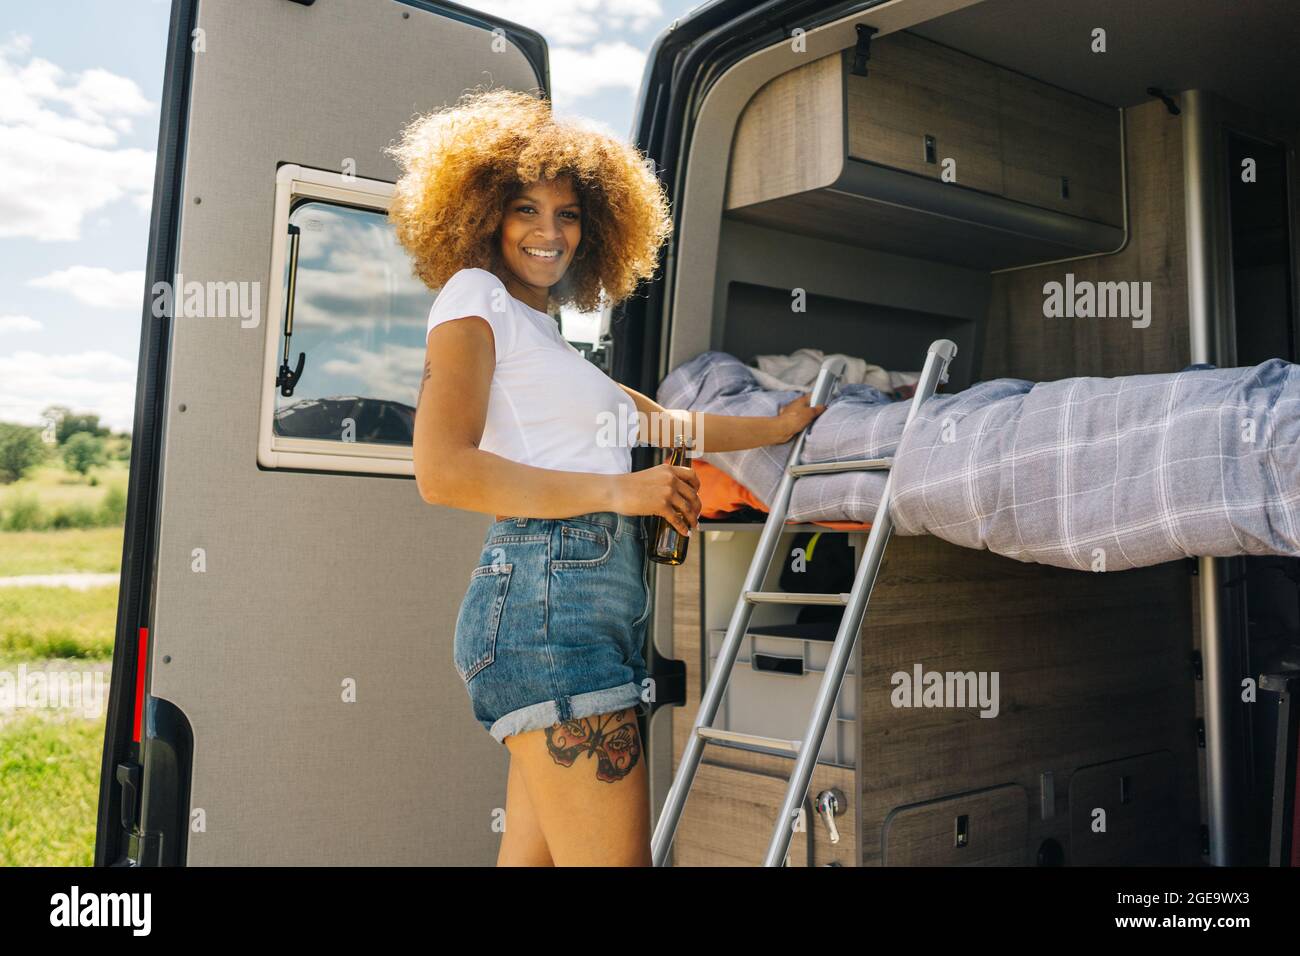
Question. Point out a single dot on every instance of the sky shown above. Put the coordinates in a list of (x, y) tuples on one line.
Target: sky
[(80, 88)]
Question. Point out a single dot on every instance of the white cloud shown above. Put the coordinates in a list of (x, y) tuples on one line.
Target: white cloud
[(96, 286), (576, 21), (18, 323), (377, 374), (84, 381), (59, 154), (576, 73)]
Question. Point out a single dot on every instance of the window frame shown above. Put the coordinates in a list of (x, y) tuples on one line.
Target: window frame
[(294, 183)]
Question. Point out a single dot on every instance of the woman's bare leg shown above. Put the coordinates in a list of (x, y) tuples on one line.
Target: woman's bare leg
[(586, 779), (523, 843)]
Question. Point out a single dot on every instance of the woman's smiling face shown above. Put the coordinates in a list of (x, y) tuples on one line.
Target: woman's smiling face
[(540, 230)]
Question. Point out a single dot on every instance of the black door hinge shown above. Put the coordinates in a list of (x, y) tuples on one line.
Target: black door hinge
[(862, 52)]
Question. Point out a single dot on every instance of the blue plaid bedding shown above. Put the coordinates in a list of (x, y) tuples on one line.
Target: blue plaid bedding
[(1098, 474)]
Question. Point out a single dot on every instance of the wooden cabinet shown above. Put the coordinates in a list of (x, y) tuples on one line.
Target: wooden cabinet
[(988, 828), (1090, 668), (731, 813), (1060, 151), (934, 154), (918, 91), (1125, 812)]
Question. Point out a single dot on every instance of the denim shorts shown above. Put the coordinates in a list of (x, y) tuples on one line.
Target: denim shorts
[(553, 622)]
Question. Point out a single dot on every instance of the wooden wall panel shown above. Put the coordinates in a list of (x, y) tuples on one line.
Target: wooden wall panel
[(1092, 667), (791, 136), (1022, 342)]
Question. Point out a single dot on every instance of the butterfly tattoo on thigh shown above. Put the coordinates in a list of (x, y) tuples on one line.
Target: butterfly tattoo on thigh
[(612, 739)]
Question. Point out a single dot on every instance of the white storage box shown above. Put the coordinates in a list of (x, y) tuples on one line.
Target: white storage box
[(773, 687)]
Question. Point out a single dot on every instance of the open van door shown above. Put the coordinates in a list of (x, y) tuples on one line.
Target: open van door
[(282, 687), (282, 691)]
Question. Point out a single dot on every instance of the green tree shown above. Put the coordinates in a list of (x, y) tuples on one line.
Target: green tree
[(83, 451), (69, 423), (21, 448)]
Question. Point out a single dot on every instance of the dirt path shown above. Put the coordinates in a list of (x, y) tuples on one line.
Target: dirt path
[(81, 580)]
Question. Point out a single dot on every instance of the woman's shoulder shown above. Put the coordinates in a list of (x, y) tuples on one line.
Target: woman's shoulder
[(466, 289), (472, 279), (474, 292)]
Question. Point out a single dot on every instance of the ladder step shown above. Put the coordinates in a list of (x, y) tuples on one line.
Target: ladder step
[(795, 597), (754, 740), (831, 467)]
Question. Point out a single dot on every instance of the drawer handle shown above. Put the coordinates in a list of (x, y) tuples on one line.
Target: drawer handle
[(773, 664), (862, 49), (961, 837), (830, 803)]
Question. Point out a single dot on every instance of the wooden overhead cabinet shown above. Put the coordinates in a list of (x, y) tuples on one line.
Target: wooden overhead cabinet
[(934, 154)]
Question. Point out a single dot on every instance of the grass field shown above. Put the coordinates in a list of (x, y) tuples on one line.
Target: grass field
[(49, 789), (58, 552), (42, 622), (50, 759), (55, 486), (52, 498)]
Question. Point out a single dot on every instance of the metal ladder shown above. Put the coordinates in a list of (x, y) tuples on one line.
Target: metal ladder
[(935, 371)]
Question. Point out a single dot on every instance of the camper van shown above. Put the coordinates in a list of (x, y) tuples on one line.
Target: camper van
[(283, 690)]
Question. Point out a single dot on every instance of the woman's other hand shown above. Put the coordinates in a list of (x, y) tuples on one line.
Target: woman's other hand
[(794, 417)]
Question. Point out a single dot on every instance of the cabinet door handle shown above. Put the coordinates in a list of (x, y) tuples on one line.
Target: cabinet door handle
[(829, 803)]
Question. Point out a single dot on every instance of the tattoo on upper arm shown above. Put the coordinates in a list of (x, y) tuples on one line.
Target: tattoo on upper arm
[(613, 739), (423, 381)]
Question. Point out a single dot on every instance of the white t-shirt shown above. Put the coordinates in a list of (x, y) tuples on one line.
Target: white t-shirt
[(549, 406)]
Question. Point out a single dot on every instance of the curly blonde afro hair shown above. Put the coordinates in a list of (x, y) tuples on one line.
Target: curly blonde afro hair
[(461, 165)]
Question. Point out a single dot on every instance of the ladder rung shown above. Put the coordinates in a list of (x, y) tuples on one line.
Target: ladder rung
[(754, 740), (795, 597), (831, 467)]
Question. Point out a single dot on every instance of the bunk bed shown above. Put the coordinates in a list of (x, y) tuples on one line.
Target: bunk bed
[(1100, 474)]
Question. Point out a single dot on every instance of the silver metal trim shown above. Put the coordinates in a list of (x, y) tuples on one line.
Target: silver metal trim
[(794, 597), (832, 467), (748, 740)]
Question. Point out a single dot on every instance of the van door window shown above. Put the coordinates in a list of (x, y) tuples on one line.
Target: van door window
[(359, 318)]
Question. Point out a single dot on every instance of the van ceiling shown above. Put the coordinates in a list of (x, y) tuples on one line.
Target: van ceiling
[(1245, 50)]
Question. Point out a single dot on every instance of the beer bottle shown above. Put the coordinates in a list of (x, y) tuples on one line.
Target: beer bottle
[(667, 544)]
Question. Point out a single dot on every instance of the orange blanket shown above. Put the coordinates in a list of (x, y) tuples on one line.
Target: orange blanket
[(721, 494)]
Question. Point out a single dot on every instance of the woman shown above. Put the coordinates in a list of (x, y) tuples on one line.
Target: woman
[(509, 211)]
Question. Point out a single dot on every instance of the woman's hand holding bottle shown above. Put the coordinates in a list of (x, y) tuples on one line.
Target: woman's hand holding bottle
[(671, 492)]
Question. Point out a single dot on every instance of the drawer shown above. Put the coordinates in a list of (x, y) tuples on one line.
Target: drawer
[(730, 815), (983, 828), (1050, 136), (1124, 812), (917, 89)]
